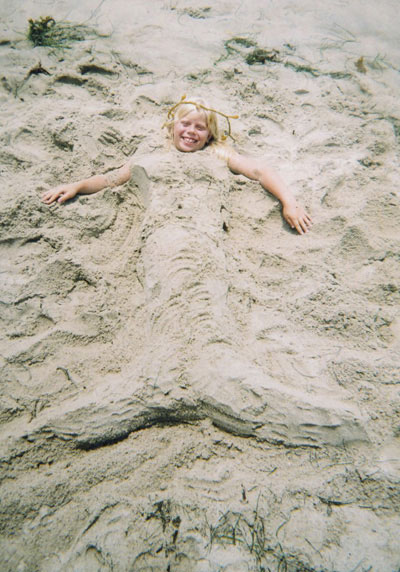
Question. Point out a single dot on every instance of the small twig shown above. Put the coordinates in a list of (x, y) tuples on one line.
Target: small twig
[(281, 526), (313, 547), (67, 374)]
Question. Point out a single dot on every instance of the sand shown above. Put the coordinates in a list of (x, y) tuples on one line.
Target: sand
[(187, 383)]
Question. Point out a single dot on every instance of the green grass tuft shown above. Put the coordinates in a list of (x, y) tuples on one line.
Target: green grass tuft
[(47, 32)]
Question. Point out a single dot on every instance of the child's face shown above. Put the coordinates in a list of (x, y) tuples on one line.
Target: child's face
[(191, 132)]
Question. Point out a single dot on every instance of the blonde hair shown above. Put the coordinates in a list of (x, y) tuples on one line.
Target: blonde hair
[(217, 139)]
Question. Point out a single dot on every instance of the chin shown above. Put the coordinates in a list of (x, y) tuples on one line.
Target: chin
[(188, 149)]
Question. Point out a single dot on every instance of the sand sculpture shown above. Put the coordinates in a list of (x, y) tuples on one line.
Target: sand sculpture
[(187, 384)]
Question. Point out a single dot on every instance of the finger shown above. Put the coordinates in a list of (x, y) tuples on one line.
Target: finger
[(309, 222), (65, 197), (308, 219), (52, 199), (50, 196), (293, 224), (296, 225), (304, 225), (51, 191)]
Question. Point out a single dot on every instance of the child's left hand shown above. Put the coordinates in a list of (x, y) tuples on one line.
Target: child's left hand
[(297, 218)]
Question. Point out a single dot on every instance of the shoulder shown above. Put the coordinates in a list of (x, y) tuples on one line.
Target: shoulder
[(242, 164)]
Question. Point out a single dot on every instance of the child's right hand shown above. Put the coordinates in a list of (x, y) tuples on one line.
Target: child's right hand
[(60, 194)]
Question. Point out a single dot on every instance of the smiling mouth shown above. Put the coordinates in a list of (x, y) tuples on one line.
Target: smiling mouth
[(189, 140)]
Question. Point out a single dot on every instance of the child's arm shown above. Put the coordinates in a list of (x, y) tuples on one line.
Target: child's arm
[(94, 184), (255, 169)]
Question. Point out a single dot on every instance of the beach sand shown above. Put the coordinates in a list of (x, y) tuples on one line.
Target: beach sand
[(187, 383)]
